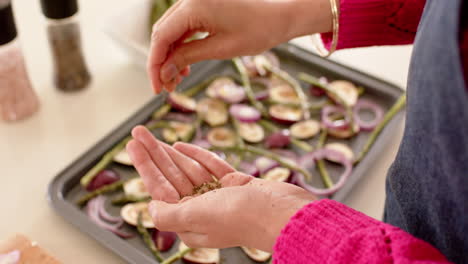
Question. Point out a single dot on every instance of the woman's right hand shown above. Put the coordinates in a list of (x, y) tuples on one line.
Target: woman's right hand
[(235, 27)]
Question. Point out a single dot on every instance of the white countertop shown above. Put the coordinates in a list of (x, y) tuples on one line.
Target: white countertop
[(32, 152)]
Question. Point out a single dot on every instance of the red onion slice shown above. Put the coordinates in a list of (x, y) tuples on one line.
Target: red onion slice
[(232, 94), (103, 178), (374, 108), (244, 113), (249, 64), (12, 257), (163, 240), (316, 90), (101, 201), (337, 157), (307, 161), (279, 139), (329, 123), (92, 211), (249, 168)]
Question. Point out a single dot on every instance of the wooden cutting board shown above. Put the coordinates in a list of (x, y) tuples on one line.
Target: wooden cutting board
[(30, 252)]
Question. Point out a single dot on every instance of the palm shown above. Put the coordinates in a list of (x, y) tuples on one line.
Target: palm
[(171, 173)]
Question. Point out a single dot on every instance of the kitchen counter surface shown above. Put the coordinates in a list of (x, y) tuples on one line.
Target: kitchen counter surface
[(32, 152)]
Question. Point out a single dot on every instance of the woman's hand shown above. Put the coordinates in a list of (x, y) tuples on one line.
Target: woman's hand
[(245, 212), (235, 27)]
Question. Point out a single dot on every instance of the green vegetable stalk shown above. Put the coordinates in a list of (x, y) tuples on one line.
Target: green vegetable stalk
[(104, 189), (240, 142), (162, 111), (124, 199), (147, 238), (310, 107), (105, 160), (400, 103), (270, 155), (314, 81), (298, 143), (109, 156), (321, 164), (247, 86), (177, 256), (289, 79)]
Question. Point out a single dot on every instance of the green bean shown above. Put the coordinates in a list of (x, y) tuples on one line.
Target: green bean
[(177, 256), (295, 84), (321, 164), (104, 189), (109, 156), (270, 155), (247, 86), (400, 103), (125, 199), (147, 238)]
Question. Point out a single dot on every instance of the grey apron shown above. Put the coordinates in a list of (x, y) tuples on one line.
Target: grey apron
[(427, 185)]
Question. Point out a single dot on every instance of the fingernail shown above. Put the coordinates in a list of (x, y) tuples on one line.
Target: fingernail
[(169, 73)]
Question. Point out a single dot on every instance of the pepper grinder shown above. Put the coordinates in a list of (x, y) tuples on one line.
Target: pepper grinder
[(17, 97), (63, 29)]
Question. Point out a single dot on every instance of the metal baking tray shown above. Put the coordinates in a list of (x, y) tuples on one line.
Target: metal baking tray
[(65, 189)]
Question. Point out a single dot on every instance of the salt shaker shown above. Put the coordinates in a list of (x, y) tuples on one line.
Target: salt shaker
[(63, 29), (17, 97)]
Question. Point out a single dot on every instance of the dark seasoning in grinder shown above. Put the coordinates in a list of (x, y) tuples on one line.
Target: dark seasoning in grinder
[(63, 29)]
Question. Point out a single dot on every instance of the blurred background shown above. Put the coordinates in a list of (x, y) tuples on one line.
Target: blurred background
[(115, 38)]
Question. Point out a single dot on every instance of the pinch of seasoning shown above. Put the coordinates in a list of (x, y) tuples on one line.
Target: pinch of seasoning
[(70, 70), (206, 187)]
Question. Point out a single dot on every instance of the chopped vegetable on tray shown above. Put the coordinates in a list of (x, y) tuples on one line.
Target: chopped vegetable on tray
[(264, 122)]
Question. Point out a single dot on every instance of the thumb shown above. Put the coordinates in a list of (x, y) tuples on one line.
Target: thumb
[(213, 47), (166, 216), (235, 179)]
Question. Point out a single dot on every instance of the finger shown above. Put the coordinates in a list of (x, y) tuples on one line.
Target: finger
[(167, 14), (186, 71), (192, 52), (197, 240), (151, 69), (165, 33), (235, 179), (163, 161), (212, 162), (171, 86), (194, 171), (166, 216), (158, 186), (179, 80)]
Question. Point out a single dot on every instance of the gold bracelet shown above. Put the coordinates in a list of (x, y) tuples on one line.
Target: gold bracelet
[(317, 40)]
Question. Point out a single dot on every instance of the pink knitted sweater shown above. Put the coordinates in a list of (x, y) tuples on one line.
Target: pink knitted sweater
[(326, 231)]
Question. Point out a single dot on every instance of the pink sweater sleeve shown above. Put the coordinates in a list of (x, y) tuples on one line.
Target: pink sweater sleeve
[(376, 22), (326, 231)]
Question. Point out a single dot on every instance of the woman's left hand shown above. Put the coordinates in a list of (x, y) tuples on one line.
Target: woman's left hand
[(246, 211)]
